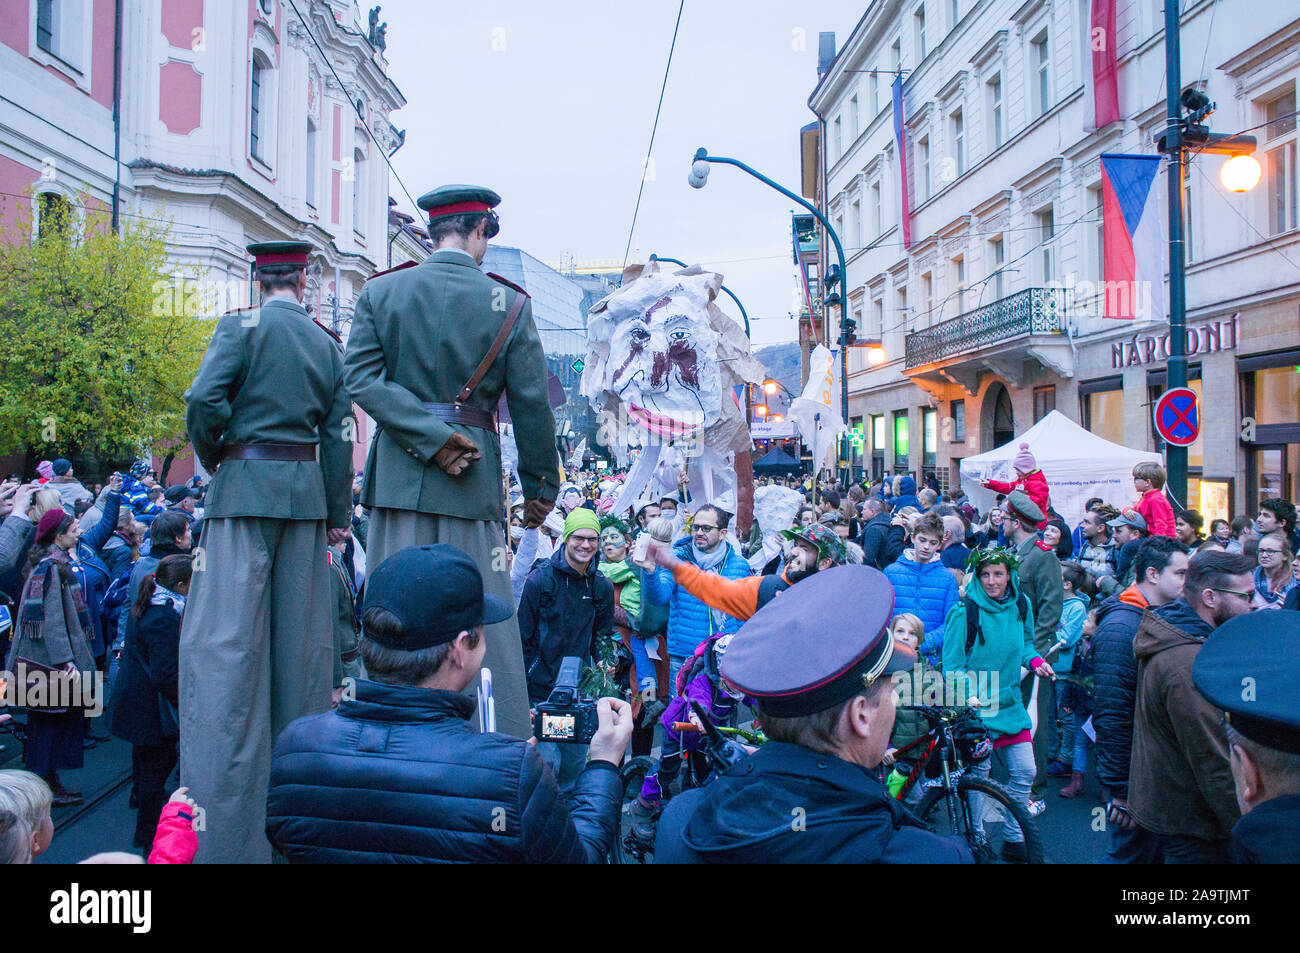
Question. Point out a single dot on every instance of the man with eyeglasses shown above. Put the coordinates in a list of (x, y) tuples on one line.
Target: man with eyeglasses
[(1180, 781), (690, 620), (566, 608)]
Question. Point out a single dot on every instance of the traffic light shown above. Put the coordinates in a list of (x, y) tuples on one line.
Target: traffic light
[(850, 332)]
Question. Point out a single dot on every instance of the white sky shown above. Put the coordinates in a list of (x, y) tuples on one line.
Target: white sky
[(558, 122)]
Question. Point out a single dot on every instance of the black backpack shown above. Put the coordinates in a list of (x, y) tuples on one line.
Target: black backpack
[(973, 630)]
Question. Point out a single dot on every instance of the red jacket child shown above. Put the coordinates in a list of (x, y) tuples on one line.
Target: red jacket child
[(1155, 509), (1028, 478)]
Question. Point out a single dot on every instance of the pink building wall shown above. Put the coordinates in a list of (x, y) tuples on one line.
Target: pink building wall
[(15, 180), (14, 24)]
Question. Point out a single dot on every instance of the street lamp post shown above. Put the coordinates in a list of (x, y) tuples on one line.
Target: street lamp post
[(700, 174), (1181, 135)]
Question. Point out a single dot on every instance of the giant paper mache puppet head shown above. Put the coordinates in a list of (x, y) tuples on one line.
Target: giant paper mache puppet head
[(662, 347)]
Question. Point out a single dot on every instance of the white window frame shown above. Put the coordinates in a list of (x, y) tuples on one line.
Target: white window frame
[(877, 210), (76, 212), (358, 191), (268, 132), (1271, 144), (1043, 218), (1040, 72), (957, 132), (997, 261), (71, 36), (997, 112), (313, 164), (923, 155), (855, 125), (918, 25)]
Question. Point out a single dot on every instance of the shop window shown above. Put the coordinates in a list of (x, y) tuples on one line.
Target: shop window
[(902, 443), (1277, 395), (958, 410), (930, 436), (1103, 414)]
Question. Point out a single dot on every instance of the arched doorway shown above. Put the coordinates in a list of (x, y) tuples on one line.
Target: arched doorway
[(1004, 423)]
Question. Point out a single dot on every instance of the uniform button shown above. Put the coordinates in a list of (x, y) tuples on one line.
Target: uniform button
[(821, 764)]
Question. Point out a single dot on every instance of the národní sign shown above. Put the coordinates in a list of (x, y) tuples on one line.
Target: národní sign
[(1140, 350)]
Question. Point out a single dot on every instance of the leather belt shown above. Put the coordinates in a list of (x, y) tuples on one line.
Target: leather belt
[(461, 414), (302, 452)]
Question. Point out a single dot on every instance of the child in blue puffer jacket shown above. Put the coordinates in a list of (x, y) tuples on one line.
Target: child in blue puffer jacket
[(923, 586)]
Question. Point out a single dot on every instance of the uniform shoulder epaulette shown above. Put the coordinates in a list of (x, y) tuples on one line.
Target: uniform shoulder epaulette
[(330, 331), (508, 283), (237, 311), (389, 271)]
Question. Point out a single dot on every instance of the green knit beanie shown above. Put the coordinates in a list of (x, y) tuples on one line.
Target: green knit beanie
[(581, 518)]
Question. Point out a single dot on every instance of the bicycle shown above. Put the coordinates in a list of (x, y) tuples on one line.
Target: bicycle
[(954, 801), (719, 752)]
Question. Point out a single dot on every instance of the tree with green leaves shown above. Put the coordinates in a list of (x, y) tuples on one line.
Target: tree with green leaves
[(94, 360)]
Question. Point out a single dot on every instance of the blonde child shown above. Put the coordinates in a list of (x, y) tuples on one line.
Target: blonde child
[(28, 797), (907, 629)]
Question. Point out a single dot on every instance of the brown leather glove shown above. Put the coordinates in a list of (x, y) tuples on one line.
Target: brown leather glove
[(536, 511), (456, 454)]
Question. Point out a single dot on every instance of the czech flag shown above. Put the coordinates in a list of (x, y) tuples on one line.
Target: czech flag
[(1134, 264)]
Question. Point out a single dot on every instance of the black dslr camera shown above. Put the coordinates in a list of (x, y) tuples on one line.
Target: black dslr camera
[(566, 717)]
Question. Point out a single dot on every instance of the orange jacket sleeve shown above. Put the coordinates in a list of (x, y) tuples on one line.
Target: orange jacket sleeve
[(735, 597)]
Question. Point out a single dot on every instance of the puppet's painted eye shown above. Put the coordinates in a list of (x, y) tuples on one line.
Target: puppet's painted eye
[(676, 336), (639, 335)]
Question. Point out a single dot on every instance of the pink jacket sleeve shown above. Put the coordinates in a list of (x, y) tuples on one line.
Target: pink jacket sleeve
[(175, 841)]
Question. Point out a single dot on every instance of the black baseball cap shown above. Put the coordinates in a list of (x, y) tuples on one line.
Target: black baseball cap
[(436, 592)]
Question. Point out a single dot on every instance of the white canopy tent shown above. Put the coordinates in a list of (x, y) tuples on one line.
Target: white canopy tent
[(1078, 465)]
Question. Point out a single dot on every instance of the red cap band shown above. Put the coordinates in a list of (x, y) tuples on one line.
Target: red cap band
[(457, 207), (282, 258)]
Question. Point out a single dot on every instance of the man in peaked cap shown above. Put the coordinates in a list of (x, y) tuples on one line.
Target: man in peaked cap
[(809, 795), (267, 413), (1249, 667), (433, 347)]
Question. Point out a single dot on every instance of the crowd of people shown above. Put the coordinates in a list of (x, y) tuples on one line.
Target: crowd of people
[(1107, 616), (311, 646)]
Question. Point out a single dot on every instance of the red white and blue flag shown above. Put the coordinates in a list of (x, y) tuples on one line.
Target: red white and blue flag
[(900, 149), (1134, 264)]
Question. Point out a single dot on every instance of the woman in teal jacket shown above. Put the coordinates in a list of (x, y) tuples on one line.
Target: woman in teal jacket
[(1003, 645)]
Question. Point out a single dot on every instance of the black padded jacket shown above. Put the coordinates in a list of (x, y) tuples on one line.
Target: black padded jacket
[(396, 775)]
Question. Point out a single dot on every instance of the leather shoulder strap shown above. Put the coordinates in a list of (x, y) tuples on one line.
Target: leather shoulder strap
[(497, 344)]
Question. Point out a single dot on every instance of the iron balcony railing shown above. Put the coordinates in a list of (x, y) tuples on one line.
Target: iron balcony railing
[(1032, 311)]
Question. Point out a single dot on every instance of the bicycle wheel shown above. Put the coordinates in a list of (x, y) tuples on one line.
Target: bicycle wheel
[(627, 849), (1000, 811)]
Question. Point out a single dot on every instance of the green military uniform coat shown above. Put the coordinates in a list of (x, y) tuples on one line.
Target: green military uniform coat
[(417, 336), (256, 646)]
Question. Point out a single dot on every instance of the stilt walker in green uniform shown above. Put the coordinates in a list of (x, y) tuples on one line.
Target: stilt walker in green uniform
[(433, 347), (268, 413)]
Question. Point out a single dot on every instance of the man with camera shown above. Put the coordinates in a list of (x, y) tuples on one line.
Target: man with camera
[(396, 775), (567, 606), (809, 795)]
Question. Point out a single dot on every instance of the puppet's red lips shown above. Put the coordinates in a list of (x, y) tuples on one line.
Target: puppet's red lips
[(660, 424)]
